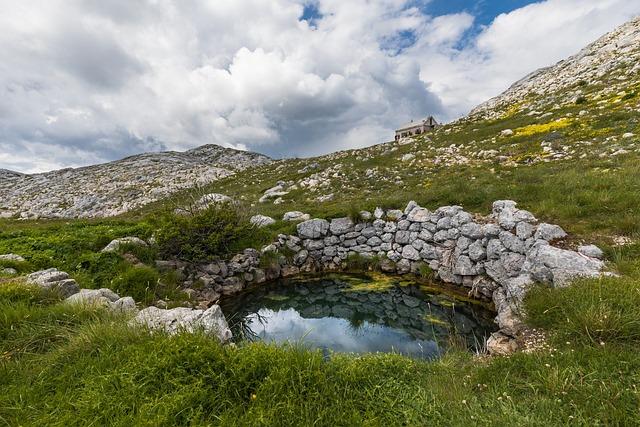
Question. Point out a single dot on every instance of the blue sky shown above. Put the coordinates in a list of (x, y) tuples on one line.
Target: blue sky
[(92, 81), (484, 11)]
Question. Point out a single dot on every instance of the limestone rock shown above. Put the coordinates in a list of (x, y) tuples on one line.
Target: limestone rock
[(591, 251), (12, 257), (549, 232), (115, 244), (294, 216), (340, 226), (54, 280), (181, 319), (500, 344), (261, 220), (313, 228), (121, 186), (558, 266)]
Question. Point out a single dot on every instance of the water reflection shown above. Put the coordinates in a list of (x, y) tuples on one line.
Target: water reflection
[(357, 314)]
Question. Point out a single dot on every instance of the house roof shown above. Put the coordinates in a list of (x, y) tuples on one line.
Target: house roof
[(413, 124)]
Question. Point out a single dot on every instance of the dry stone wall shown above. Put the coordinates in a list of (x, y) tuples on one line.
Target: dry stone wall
[(495, 258)]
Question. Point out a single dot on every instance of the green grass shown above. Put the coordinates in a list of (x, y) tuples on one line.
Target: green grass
[(65, 366)]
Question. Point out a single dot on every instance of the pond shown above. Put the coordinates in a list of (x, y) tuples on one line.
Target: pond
[(358, 314)]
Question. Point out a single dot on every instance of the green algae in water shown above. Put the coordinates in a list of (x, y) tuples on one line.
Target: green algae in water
[(357, 314)]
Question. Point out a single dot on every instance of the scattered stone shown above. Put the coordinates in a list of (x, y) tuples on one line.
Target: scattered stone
[(55, 280), (12, 257), (294, 216), (115, 244), (261, 220), (181, 319)]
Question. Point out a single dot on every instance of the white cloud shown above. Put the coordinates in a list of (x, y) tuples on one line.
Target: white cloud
[(83, 81), (516, 44)]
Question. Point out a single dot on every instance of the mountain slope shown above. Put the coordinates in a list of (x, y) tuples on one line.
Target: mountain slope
[(616, 53), (113, 188)]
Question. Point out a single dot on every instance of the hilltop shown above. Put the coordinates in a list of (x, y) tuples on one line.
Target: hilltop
[(117, 187)]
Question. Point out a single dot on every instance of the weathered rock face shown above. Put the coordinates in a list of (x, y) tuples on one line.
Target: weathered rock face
[(117, 187), (182, 319), (495, 258)]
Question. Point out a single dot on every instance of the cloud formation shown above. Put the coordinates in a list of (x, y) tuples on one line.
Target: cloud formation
[(85, 81)]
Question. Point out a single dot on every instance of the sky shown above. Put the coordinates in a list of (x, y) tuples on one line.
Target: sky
[(89, 81)]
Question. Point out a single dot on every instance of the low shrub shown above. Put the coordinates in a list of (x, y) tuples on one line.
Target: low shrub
[(203, 234)]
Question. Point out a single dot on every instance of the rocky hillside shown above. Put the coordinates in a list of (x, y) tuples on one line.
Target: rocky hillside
[(614, 55), (114, 188)]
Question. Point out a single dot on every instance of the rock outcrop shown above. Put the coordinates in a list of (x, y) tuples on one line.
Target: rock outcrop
[(114, 188)]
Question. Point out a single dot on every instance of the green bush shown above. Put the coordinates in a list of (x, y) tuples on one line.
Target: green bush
[(202, 235)]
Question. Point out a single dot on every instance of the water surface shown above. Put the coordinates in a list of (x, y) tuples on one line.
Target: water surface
[(358, 314)]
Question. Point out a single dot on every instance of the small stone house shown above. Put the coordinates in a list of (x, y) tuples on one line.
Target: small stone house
[(416, 128)]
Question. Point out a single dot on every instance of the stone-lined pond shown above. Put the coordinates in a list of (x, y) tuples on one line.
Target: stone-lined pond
[(358, 314)]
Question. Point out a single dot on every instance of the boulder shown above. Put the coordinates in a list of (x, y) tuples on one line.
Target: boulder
[(93, 297), (12, 257), (261, 220), (294, 216), (115, 244), (274, 192), (182, 319), (313, 228), (54, 280), (559, 266)]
